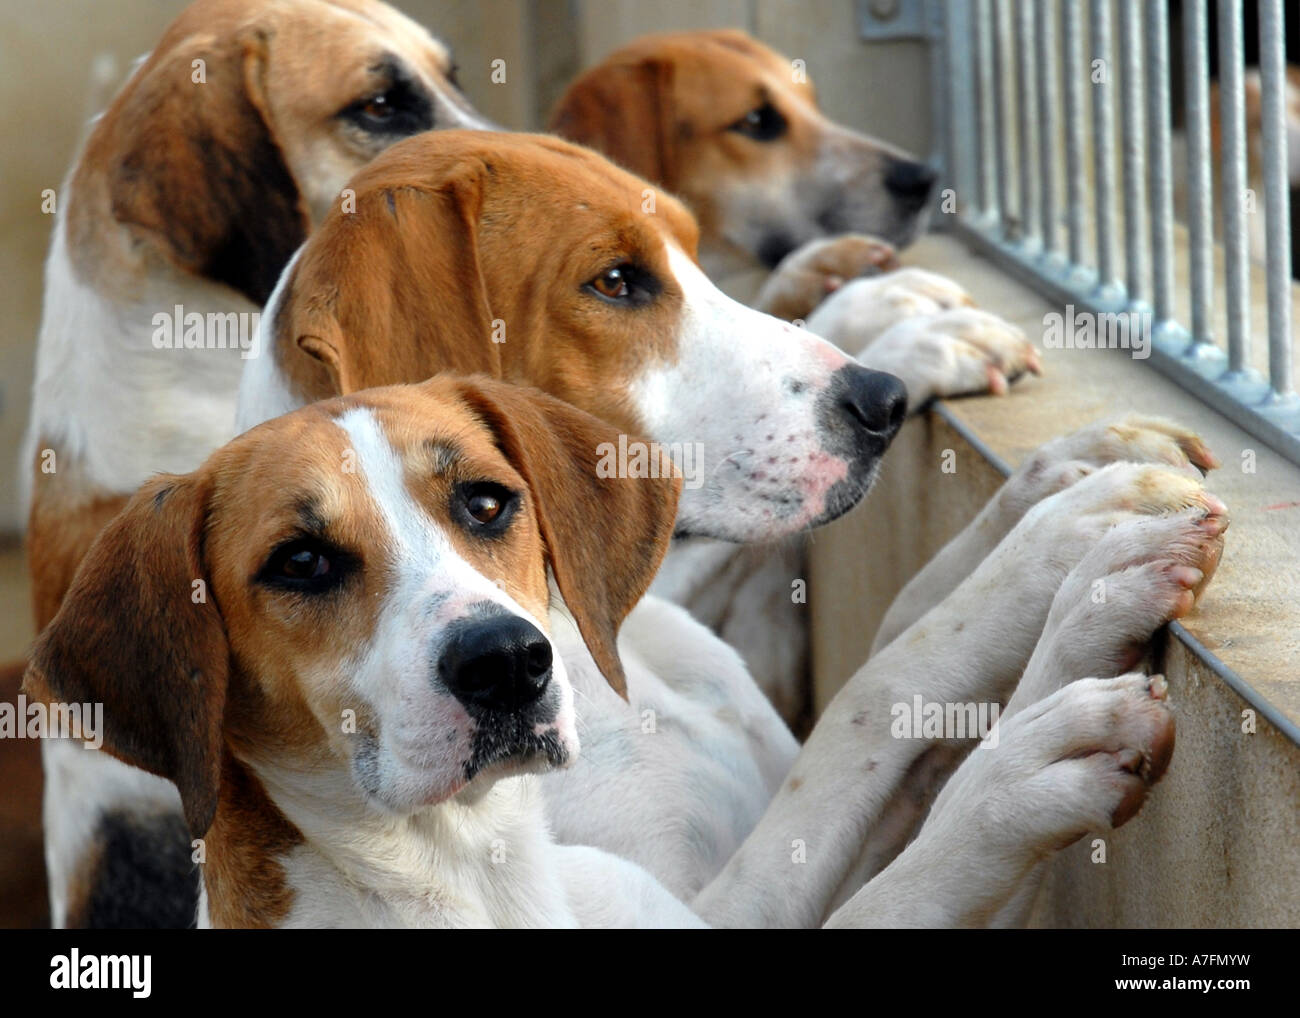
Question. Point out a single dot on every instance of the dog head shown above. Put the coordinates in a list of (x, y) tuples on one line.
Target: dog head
[(540, 262), (361, 587), (241, 127), (733, 127)]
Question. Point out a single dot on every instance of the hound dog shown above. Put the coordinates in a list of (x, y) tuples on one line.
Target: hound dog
[(724, 122), (733, 128), (608, 310), (358, 713), (194, 187), (206, 172), (605, 306), (729, 126)]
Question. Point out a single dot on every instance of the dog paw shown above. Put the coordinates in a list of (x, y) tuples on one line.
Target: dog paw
[(1081, 760), (1009, 595), (808, 274), (860, 312), (1062, 528), (957, 352), (1099, 746), (1143, 573), (1135, 439)]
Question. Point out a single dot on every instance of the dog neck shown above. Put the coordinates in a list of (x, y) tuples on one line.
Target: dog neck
[(297, 848)]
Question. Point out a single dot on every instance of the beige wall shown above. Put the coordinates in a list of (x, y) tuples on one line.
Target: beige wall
[(60, 61)]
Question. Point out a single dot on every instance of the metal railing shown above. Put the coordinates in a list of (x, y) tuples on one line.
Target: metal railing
[(1026, 99)]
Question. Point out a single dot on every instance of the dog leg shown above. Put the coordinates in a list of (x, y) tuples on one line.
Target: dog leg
[(971, 648), (1143, 573), (1052, 468), (1082, 760)]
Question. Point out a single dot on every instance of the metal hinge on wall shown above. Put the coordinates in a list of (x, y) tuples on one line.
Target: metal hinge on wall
[(889, 20)]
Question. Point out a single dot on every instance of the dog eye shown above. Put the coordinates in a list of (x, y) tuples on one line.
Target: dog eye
[(486, 507), (483, 507), (453, 76), (306, 565), (626, 284), (379, 108), (612, 283), (400, 109), (764, 123)]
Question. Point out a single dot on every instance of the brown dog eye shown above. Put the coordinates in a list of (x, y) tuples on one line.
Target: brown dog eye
[(308, 565), (762, 124), (611, 284), (484, 508), (305, 564), (379, 108)]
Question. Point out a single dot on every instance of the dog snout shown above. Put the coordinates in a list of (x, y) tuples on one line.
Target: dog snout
[(910, 182), (874, 401), (500, 663)]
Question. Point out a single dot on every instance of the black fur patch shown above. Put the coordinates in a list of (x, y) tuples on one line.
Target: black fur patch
[(145, 878)]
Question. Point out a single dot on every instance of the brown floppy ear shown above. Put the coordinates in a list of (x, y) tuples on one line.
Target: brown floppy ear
[(625, 112), (139, 632), (605, 535), (390, 293), (195, 167)]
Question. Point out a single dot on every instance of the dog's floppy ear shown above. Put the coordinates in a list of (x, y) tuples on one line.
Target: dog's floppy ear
[(139, 632), (402, 273), (193, 164), (625, 112), (605, 534)]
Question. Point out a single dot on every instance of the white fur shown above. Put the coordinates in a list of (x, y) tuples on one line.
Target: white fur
[(117, 409), (914, 324), (90, 783), (766, 471), (263, 392)]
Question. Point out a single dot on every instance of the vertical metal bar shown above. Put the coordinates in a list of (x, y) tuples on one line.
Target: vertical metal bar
[(1027, 109), (984, 100), (1232, 177), (1103, 143), (1134, 132), (939, 22), (1072, 44), (1272, 67), (1002, 174), (1200, 235), (1045, 45), (1162, 186)]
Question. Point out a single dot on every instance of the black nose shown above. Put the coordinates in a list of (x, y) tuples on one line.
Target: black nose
[(874, 401), (500, 663), (910, 183)]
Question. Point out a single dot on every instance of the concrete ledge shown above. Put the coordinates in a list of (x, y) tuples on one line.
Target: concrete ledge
[(1219, 842)]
